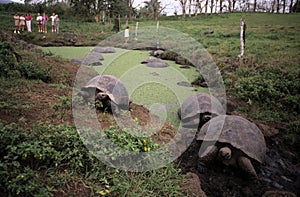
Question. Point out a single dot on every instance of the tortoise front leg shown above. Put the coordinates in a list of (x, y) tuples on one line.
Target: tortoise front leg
[(115, 108), (246, 165), (205, 156)]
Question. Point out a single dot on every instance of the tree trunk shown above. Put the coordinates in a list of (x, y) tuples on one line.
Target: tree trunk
[(291, 6), (273, 6), (130, 2), (221, 6), (183, 7), (229, 6), (190, 8), (206, 5), (233, 5), (278, 6), (254, 5), (156, 10), (196, 7), (284, 5), (211, 6)]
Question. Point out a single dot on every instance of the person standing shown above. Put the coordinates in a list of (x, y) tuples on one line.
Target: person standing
[(53, 22), (39, 19), (44, 22), (57, 20), (17, 21), (22, 22), (28, 22), (126, 34)]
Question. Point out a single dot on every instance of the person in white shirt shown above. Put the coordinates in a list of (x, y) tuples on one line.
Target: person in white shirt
[(126, 34), (39, 19), (53, 17), (22, 22), (57, 23)]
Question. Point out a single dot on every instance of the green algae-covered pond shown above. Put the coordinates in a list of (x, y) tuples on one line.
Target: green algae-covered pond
[(155, 88)]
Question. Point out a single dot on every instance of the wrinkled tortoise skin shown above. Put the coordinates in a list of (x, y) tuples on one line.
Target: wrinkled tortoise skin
[(236, 131)]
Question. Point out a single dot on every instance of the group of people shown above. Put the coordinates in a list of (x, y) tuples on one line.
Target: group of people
[(41, 20)]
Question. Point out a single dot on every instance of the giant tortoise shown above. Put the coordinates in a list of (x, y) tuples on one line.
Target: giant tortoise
[(234, 141), (198, 109), (109, 90)]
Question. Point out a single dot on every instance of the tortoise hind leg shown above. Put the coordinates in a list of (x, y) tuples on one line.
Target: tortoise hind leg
[(246, 165), (206, 156)]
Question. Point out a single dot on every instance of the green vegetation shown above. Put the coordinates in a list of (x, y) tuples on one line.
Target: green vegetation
[(11, 67), (41, 159), (46, 158)]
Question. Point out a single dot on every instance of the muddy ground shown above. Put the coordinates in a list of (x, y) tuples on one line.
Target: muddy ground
[(279, 172)]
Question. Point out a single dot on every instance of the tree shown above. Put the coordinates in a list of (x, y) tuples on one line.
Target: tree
[(273, 6), (216, 6), (221, 6), (190, 7), (296, 7), (153, 8), (211, 6), (284, 5), (198, 6), (231, 5), (254, 5), (205, 6), (277, 6), (183, 7), (291, 6)]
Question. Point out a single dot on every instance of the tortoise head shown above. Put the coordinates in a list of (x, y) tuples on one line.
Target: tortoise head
[(105, 96), (225, 153), (205, 117), (102, 96)]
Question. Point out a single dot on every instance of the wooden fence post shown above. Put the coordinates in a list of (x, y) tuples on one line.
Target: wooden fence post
[(242, 37), (136, 31), (157, 34)]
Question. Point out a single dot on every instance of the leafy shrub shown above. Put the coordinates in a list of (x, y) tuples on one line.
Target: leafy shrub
[(30, 71), (272, 88), (11, 68), (36, 162), (24, 154), (124, 139), (292, 133)]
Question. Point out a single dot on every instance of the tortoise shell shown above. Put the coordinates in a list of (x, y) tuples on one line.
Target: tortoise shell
[(111, 85), (192, 107), (239, 132)]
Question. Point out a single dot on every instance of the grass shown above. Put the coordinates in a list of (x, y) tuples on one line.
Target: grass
[(272, 40), (68, 52)]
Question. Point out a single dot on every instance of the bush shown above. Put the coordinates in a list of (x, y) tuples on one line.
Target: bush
[(271, 88), (36, 162), (11, 68)]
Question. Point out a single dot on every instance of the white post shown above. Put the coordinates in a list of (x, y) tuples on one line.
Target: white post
[(136, 30), (157, 31), (242, 36)]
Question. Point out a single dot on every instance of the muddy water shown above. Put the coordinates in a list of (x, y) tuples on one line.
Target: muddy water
[(280, 171)]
